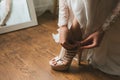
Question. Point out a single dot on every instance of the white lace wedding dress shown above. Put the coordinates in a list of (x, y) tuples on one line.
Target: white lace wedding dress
[(92, 14)]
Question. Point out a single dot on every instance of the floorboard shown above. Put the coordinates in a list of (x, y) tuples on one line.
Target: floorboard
[(24, 55)]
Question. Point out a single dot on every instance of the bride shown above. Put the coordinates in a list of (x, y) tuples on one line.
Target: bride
[(82, 25)]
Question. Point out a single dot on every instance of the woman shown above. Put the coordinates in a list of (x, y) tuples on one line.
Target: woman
[(82, 25)]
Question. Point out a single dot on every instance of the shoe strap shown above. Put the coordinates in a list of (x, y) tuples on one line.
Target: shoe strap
[(69, 54)]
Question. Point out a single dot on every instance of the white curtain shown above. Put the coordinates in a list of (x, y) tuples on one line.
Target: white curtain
[(42, 5)]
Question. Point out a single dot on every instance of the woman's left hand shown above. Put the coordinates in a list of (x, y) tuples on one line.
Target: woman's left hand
[(93, 40)]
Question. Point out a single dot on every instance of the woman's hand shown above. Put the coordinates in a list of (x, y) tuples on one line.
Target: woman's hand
[(64, 38), (92, 40)]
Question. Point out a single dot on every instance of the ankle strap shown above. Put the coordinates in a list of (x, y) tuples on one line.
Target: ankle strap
[(71, 51)]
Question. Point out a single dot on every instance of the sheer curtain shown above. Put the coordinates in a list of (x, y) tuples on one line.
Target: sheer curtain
[(42, 5)]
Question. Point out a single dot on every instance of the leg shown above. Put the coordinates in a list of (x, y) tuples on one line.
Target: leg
[(75, 31), (65, 58), (75, 34)]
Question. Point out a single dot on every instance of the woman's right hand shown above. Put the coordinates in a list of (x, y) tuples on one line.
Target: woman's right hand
[(64, 38)]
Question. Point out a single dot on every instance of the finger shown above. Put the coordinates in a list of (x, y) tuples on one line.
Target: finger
[(69, 46), (86, 40), (65, 46), (89, 46)]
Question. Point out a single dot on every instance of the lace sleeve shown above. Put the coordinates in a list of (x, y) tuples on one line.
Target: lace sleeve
[(63, 13), (111, 19)]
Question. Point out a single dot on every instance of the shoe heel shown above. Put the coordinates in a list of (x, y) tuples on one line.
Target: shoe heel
[(79, 57)]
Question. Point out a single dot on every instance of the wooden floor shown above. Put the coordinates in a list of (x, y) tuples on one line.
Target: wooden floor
[(24, 55)]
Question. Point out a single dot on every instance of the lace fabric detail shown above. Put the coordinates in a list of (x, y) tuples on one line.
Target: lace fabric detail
[(63, 13), (111, 19)]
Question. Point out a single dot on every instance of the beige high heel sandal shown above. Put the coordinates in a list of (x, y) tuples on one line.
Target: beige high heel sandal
[(62, 64), (79, 55)]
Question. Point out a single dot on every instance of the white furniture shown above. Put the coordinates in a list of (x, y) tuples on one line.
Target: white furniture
[(22, 16)]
